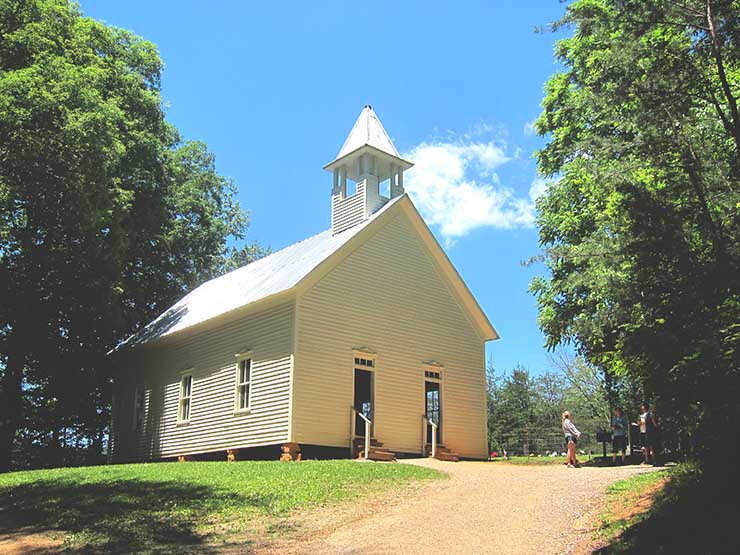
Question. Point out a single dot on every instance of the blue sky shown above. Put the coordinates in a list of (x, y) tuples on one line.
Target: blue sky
[(274, 89)]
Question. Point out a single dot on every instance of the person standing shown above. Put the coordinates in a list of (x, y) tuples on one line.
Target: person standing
[(648, 433), (653, 434), (619, 434), (571, 439), (643, 430)]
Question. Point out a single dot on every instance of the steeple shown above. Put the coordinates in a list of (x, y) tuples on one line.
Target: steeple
[(368, 158)]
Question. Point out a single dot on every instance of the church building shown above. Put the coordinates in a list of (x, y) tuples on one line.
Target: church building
[(362, 340)]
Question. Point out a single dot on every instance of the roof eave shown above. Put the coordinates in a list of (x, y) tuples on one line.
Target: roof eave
[(264, 303), (405, 164)]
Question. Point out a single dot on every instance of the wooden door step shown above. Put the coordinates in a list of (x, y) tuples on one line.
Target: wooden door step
[(442, 453), (359, 443), (378, 455), (377, 452), (381, 455)]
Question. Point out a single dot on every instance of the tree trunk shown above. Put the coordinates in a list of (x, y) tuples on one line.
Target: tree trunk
[(95, 451), (692, 166), (726, 89), (11, 407)]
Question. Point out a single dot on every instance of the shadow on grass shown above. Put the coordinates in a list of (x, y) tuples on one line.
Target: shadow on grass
[(119, 516), (583, 461), (602, 462), (689, 515)]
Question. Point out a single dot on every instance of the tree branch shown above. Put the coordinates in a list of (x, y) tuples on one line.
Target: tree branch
[(731, 100)]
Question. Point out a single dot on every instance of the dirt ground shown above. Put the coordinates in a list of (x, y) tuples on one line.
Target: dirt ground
[(483, 508), (26, 542)]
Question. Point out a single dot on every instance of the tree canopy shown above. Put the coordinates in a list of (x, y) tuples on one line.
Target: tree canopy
[(106, 216), (641, 221)]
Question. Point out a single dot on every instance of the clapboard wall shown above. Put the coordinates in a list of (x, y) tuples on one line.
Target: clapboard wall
[(388, 297), (209, 353)]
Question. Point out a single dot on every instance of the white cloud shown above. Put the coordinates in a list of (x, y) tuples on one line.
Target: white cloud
[(538, 188), (478, 130), (456, 188), (529, 128)]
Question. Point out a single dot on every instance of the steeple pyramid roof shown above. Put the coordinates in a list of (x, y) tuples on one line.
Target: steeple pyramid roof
[(368, 135), (368, 131)]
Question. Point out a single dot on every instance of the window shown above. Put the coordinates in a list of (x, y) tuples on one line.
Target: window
[(432, 374), (139, 399), (370, 363), (243, 381), (186, 394)]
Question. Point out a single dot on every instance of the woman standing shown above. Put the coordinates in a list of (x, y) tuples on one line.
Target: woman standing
[(571, 439)]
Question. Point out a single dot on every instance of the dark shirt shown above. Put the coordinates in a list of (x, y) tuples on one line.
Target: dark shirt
[(619, 426), (650, 426)]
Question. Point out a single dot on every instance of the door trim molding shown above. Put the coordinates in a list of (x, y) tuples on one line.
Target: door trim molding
[(441, 424)]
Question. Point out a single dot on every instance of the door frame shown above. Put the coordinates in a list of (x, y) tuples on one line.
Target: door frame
[(368, 356), (442, 403)]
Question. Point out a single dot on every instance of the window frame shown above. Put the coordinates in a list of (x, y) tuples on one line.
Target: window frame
[(436, 369), (238, 409), (182, 398), (365, 359), (364, 362), (432, 375), (139, 412)]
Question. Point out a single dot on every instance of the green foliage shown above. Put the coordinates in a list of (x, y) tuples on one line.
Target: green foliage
[(641, 227), (159, 507), (106, 217)]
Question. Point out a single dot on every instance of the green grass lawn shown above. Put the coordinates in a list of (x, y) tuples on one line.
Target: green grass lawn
[(627, 503), (153, 507)]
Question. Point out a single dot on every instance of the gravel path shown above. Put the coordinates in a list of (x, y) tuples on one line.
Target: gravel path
[(483, 508)]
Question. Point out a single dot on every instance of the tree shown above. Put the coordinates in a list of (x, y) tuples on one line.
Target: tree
[(641, 223), (588, 388), (552, 393), (524, 411), (512, 407), (106, 217)]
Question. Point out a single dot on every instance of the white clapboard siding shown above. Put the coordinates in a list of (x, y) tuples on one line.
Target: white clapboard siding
[(349, 211), (389, 296), (210, 355), (352, 210), (375, 202)]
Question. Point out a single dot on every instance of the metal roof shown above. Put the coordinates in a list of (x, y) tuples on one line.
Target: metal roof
[(368, 131), (263, 278), (368, 136)]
